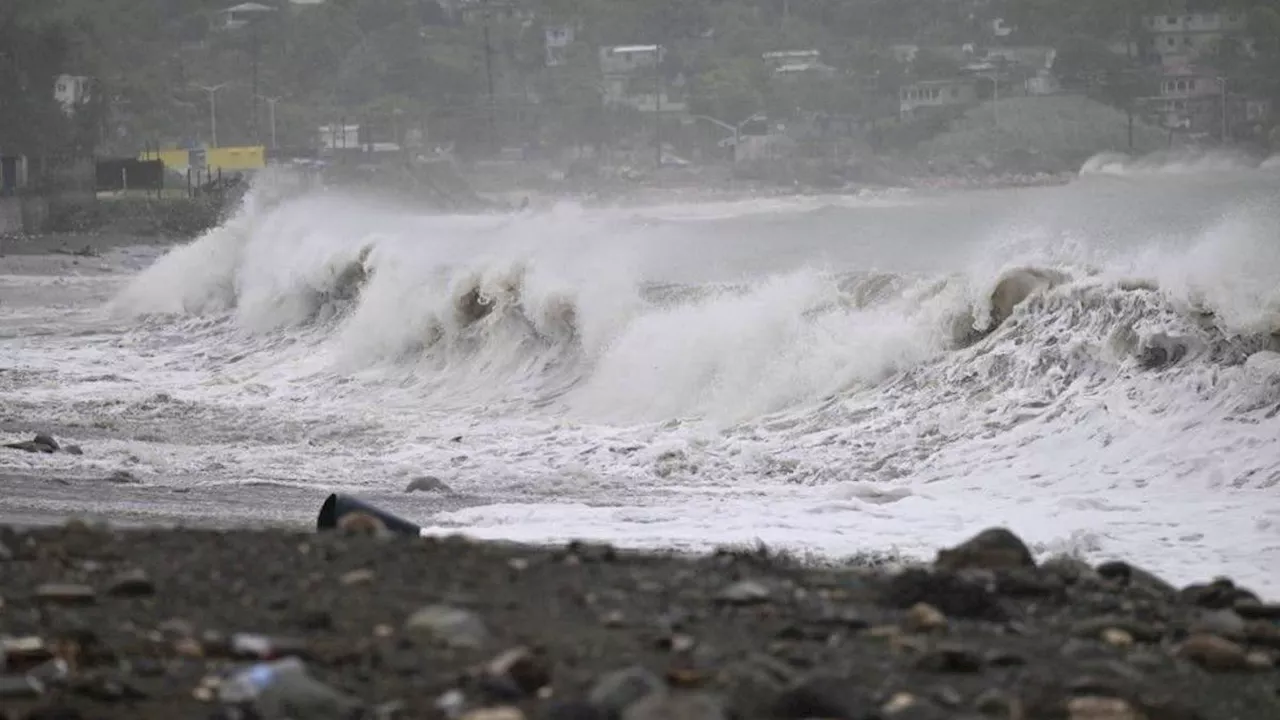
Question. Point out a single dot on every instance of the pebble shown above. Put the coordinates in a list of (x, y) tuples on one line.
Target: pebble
[(19, 687), (948, 592), (947, 696), (1258, 660), (1093, 628), (1223, 623), (362, 524), (1213, 653), (1265, 633), (823, 697), (1117, 637), (1102, 708), (1135, 577), (1249, 609), (66, 594), (899, 702), (1069, 568), (744, 592), (618, 690), (497, 713), (677, 706), (22, 653), (574, 710), (527, 671), (923, 617), (46, 439), (991, 549), (133, 583), (427, 483), (452, 626), (357, 577), (122, 477), (950, 659), (996, 703)]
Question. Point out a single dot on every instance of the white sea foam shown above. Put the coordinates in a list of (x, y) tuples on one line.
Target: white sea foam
[(1088, 365)]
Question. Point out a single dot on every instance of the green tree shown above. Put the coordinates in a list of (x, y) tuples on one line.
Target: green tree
[(34, 50)]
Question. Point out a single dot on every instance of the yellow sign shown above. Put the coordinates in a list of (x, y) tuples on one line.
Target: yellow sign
[(249, 157)]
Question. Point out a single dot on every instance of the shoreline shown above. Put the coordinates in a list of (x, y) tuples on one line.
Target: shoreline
[(150, 624)]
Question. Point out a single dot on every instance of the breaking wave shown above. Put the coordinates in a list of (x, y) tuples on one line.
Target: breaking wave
[(1171, 162), (575, 312)]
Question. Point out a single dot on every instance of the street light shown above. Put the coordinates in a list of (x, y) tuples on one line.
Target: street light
[(1223, 98), (271, 111), (213, 107)]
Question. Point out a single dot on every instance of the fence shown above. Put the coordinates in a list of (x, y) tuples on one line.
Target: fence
[(119, 174)]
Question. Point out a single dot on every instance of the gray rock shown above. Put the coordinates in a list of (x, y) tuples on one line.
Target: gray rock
[(621, 689), (133, 583), (995, 702), (823, 697), (1069, 569), (122, 477), (1093, 628), (526, 671), (1224, 623), (66, 594), (73, 450), (677, 706), (1214, 653), (20, 687), (428, 483), (30, 446), (950, 659), (448, 625), (991, 549), (1135, 577), (744, 592), (46, 439)]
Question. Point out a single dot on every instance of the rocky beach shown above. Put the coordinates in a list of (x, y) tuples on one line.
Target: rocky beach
[(355, 623)]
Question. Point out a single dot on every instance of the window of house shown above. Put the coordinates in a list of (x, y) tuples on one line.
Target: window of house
[(1169, 41), (1186, 40), (1170, 20)]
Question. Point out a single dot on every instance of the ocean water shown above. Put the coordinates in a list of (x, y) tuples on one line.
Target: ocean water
[(1094, 366)]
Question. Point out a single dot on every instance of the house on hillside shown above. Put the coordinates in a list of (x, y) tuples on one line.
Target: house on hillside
[(1189, 100), (71, 91), (928, 95), (556, 41), (631, 78), (238, 16), (793, 63), (1199, 101), (1180, 39), (1021, 70)]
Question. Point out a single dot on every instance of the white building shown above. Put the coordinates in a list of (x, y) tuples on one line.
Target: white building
[(932, 94), (630, 74), (558, 38), (70, 91), (1181, 39)]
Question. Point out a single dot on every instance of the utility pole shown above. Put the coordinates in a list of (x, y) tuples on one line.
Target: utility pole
[(253, 104), (213, 107), (657, 105), (271, 114), (1223, 82), (488, 73)]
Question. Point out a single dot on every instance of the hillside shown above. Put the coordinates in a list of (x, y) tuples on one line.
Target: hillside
[(1049, 134)]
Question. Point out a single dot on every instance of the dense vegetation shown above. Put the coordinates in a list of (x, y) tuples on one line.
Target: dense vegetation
[(400, 65)]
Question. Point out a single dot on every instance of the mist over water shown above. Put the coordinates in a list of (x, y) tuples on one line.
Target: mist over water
[(1092, 365)]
